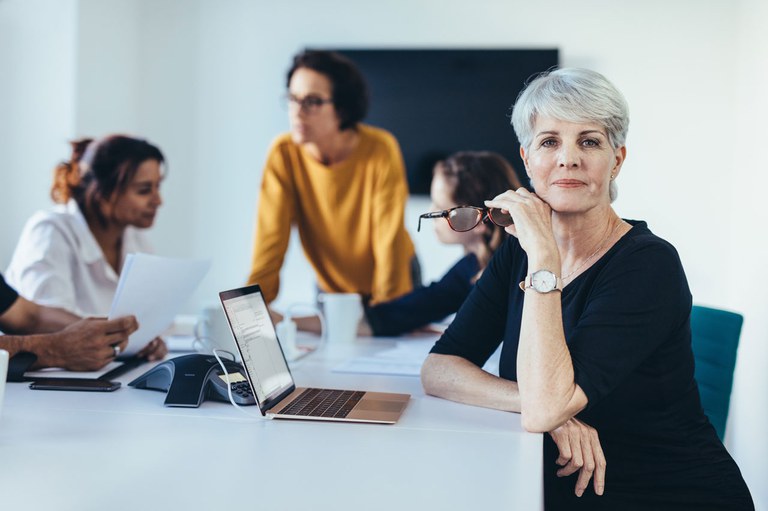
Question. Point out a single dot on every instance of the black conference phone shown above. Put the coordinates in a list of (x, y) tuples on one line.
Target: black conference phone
[(191, 378)]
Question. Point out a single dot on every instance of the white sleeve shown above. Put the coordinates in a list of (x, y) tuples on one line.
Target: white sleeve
[(41, 266)]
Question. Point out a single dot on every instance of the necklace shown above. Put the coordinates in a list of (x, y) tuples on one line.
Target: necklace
[(593, 254)]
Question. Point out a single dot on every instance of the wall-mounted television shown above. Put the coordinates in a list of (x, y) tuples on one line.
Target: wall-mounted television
[(440, 101)]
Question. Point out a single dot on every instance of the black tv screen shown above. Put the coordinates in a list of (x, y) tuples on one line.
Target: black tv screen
[(437, 102)]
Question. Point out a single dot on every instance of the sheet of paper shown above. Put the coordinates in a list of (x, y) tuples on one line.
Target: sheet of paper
[(415, 351), (405, 359), (373, 365), (154, 288)]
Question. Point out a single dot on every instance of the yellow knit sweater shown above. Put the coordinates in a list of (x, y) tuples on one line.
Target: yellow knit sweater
[(349, 217)]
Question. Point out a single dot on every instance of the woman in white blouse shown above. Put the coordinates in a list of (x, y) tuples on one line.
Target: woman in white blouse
[(70, 257)]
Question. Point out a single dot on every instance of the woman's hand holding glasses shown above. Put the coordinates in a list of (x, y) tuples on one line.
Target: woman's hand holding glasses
[(532, 227)]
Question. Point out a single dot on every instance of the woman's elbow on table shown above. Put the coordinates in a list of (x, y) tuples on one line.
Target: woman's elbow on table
[(538, 422), (437, 375), (547, 415), (428, 377)]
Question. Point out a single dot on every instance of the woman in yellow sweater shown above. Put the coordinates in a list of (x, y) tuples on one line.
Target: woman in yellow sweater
[(341, 182)]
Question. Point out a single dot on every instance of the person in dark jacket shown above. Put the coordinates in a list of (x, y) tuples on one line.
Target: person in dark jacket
[(460, 185)]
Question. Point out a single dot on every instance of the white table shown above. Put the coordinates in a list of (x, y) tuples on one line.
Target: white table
[(124, 450)]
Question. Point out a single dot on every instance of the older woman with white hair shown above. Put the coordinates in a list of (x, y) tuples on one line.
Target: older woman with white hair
[(594, 315)]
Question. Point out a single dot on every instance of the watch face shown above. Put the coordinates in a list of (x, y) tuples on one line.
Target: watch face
[(543, 281)]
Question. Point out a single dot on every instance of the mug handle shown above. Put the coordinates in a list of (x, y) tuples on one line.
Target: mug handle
[(202, 340)]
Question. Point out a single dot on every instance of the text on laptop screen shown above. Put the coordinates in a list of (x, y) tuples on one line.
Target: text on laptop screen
[(259, 346)]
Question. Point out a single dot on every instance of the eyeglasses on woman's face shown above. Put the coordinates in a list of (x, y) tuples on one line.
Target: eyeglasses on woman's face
[(466, 218), (309, 104)]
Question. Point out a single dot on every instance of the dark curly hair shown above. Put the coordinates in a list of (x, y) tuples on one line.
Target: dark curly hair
[(350, 91)]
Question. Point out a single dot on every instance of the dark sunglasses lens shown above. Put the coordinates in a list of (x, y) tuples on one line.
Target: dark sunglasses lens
[(500, 218), (464, 219)]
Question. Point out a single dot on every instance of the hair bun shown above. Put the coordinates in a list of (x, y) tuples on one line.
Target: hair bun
[(66, 175)]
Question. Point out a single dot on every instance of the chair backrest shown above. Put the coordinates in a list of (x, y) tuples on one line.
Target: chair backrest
[(715, 337)]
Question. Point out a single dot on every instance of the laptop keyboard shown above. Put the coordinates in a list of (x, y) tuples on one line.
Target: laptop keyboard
[(323, 403)]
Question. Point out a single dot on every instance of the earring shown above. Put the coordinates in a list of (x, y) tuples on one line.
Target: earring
[(613, 176)]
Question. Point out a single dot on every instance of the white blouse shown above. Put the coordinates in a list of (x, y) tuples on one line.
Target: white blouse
[(59, 263)]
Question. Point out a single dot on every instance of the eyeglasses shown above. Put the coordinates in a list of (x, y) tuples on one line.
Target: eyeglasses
[(310, 104), (466, 218)]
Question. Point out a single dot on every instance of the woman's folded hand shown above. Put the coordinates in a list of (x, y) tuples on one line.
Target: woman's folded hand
[(580, 450)]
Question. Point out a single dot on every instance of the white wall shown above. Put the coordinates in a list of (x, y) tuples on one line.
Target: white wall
[(203, 79), (38, 57), (748, 244)]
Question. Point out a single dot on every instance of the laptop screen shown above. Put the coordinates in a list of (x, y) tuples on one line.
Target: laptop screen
[(256, 339)]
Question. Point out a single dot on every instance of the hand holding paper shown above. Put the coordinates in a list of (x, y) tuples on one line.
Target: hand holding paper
[(153, 289)]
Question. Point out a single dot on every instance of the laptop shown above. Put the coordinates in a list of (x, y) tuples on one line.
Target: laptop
[(272, 383)]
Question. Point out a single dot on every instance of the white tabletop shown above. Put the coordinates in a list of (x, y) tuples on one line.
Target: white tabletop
[(124, 450)]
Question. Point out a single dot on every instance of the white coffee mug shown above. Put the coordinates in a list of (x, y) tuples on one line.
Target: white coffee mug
[(343, 312), (3, 375), (212, 331)]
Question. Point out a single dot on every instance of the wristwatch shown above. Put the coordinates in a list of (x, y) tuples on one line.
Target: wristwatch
[(542, 281)]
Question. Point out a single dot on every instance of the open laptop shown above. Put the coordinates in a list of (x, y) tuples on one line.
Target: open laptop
[(272, 383)]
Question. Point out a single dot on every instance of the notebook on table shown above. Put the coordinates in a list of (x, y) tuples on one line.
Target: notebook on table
[(272, 383)]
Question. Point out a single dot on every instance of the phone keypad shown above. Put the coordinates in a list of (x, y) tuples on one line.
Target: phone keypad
[(238, 384), (242, 389)]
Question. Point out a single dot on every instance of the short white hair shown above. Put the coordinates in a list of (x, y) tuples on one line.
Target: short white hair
[(574, 95)]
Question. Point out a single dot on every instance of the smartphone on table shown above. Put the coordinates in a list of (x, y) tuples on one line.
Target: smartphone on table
[(86, 384)]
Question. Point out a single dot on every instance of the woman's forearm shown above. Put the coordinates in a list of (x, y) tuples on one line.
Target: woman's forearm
[(459, 380), (549, 394)]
